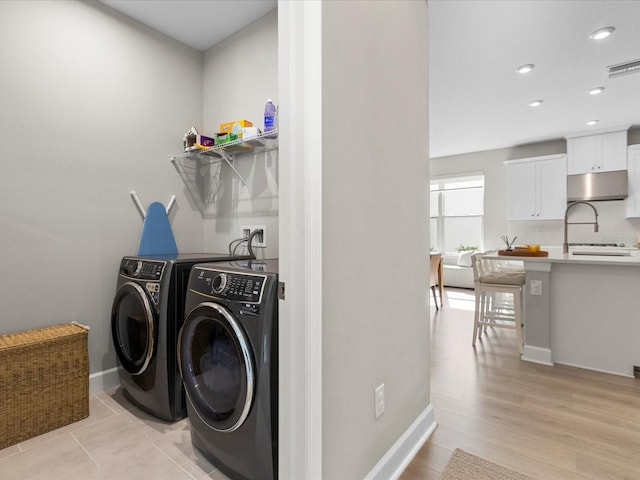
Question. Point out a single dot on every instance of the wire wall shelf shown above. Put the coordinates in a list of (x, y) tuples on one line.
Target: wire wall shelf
[(200, 168)]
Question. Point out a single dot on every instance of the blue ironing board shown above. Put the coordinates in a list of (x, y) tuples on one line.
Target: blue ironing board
[(157, 236)]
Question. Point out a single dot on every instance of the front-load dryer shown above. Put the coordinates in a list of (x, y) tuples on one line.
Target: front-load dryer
[(146, 316), (228, 354)]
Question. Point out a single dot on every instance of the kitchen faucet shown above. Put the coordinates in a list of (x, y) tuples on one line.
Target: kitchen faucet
[(565, 244)]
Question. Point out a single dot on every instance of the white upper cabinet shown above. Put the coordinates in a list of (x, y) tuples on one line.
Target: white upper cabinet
[(537, 188), (604, 152), (633, 176)]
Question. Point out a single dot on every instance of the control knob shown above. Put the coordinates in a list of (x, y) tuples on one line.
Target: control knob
[(219, 282), (132, 269), (137, 269)]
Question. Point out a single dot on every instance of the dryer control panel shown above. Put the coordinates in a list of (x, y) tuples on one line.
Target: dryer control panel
[(142, 269), (232, 286)]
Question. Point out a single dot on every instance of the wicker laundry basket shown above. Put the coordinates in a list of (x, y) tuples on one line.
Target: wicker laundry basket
[(44, 380)]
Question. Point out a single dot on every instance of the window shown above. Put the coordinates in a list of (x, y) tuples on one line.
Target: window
[(457, 212)]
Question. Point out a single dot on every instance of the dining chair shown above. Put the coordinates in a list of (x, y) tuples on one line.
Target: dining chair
[(498, 298), (435, 276)]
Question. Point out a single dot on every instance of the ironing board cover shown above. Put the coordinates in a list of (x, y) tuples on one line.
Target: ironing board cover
[(157, 236)]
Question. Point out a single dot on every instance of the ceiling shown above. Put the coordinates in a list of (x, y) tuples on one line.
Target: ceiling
[(477, 100), (197, 23)]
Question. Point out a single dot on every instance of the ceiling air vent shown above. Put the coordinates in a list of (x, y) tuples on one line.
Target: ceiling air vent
[(624, 68)]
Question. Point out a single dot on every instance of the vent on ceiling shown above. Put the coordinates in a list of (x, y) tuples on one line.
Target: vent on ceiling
[(624, 68)]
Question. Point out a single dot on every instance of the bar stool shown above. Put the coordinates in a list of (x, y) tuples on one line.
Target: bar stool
[(498, 298)]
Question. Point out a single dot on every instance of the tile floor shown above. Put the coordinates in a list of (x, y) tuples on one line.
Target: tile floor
[(117, 441)]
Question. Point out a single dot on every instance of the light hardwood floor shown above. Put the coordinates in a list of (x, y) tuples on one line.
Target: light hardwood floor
[(546, 422)]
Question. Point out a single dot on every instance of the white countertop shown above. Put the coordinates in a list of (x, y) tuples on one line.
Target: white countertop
[(556, 256)]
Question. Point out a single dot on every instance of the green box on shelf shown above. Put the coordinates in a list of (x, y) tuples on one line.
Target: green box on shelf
[(222, 138)]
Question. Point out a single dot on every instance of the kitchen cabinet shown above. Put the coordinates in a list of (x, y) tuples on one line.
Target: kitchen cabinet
[(537, 188), (633, 186), (604, 152), (200, 169)]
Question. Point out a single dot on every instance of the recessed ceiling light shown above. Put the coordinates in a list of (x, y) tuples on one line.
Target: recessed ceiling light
[(525, 68), (602, 33), (596, 90), (535, 103), (592, 122)]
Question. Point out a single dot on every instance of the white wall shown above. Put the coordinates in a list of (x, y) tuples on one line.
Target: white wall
[(92, 105), (614, 228), (375, 232), (239, 75)]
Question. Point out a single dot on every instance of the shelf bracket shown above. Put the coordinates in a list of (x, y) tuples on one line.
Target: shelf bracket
[(230, 163)]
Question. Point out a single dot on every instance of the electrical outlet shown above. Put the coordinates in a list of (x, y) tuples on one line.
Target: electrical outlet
[(259, 241), (378, 396), (536, 287)]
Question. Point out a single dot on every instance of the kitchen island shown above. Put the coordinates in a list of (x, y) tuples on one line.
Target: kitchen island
[(582, 310)]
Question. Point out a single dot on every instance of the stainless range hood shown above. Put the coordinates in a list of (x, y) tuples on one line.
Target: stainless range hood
[(597, 186)]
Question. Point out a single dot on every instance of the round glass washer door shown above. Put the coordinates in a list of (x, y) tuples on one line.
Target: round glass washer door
[(217, 366), (132, 328)]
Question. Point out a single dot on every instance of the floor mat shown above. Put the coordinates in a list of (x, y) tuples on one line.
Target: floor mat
[(465, 466)]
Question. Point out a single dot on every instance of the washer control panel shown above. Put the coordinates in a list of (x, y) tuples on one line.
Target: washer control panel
[(232, 286), (142, 269)]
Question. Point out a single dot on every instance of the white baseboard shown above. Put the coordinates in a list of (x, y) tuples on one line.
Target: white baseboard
[(537, 355), (103, 380), (393, 463), (610, 372)]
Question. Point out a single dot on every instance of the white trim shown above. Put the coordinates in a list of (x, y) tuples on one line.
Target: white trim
[(446, 176), (313, 234), (394, 462), (583, 367), (534, 159), (599, 131), (537, 355), (103, 380), (300, 233)]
